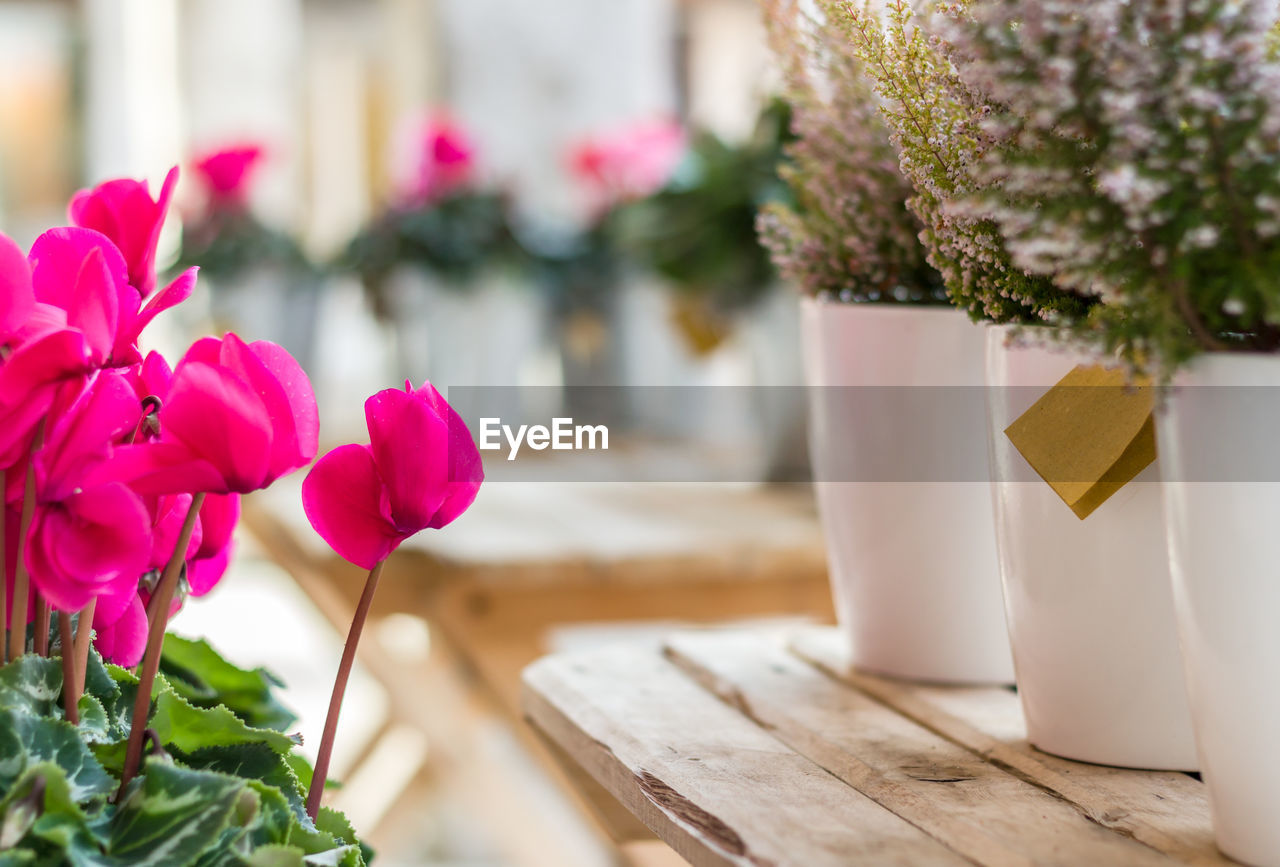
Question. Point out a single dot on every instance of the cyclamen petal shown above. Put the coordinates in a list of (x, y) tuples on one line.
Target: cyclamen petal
[(80, 546), (365, 500), (123, 640), (409, 442), (218, 518), (222, 421), (167, 515), (99, 415), (342, 496), (236, 417), (17, 297), (123, 210), (204, 575)]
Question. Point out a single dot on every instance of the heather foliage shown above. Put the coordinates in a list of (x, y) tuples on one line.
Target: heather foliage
[(848, 234), (940, 128), (1138, 157)]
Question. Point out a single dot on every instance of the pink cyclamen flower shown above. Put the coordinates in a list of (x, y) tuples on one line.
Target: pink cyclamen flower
[(80, 280), (120, 627), (226, 172), (445, 161), (123, 210), (17, 296), (208, 563), (629, 163), (237, 417), (86, 539), (420, 470)]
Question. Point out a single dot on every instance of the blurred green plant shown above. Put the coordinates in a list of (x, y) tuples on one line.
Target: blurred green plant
[(699, 231), (454, 237), (228, 243)]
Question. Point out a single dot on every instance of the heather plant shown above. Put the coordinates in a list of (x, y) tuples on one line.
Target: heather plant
[(848, 232), (940, 127), (1137, 155)]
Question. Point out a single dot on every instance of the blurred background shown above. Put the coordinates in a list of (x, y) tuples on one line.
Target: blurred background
[(556, 195)]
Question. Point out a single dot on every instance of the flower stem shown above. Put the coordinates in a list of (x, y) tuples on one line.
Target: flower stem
[(84, 633), (155, 642), (21, 580), (70, 679), (339, 689), (40, 639)]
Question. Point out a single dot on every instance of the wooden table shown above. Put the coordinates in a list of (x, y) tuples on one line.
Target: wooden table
[(763, 748), (528, 559)]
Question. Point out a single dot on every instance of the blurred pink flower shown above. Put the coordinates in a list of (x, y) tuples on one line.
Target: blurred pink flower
[(445, 161), (420, 470), (226, 173), (628, 163), (123, 210), (237, 417)]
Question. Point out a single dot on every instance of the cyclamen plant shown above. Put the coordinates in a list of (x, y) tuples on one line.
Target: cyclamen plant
[(121, 480), (420, 470), (938, 124), (439, 220), (224, 237), (1139, 160), (849, 234)]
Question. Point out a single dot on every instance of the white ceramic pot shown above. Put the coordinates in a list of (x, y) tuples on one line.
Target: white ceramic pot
[(899, 477), (1088, 603), (490, 331), (1224, 550)]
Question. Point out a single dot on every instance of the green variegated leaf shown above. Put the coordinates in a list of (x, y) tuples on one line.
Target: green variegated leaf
[(26, 740), (276, 855), (343, 856), (252, 761), (200, 675), (53, 823), (94, 726), (171, 815), (334, 822), (184, 727), (98, 681), (31, 683)]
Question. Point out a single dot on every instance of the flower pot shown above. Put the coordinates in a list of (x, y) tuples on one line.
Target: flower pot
[(269, 303), (1223, 551), (488, 331), (1088, 603), (912, 555)]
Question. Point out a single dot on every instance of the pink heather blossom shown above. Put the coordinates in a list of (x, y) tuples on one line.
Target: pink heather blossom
[(124, 211), (420, 470), (445, 161), (237, 417), (628, 163), (226, 173)]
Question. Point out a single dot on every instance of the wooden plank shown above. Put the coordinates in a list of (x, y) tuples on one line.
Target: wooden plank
[(954, 795), (1167, 811), (712, 784)]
